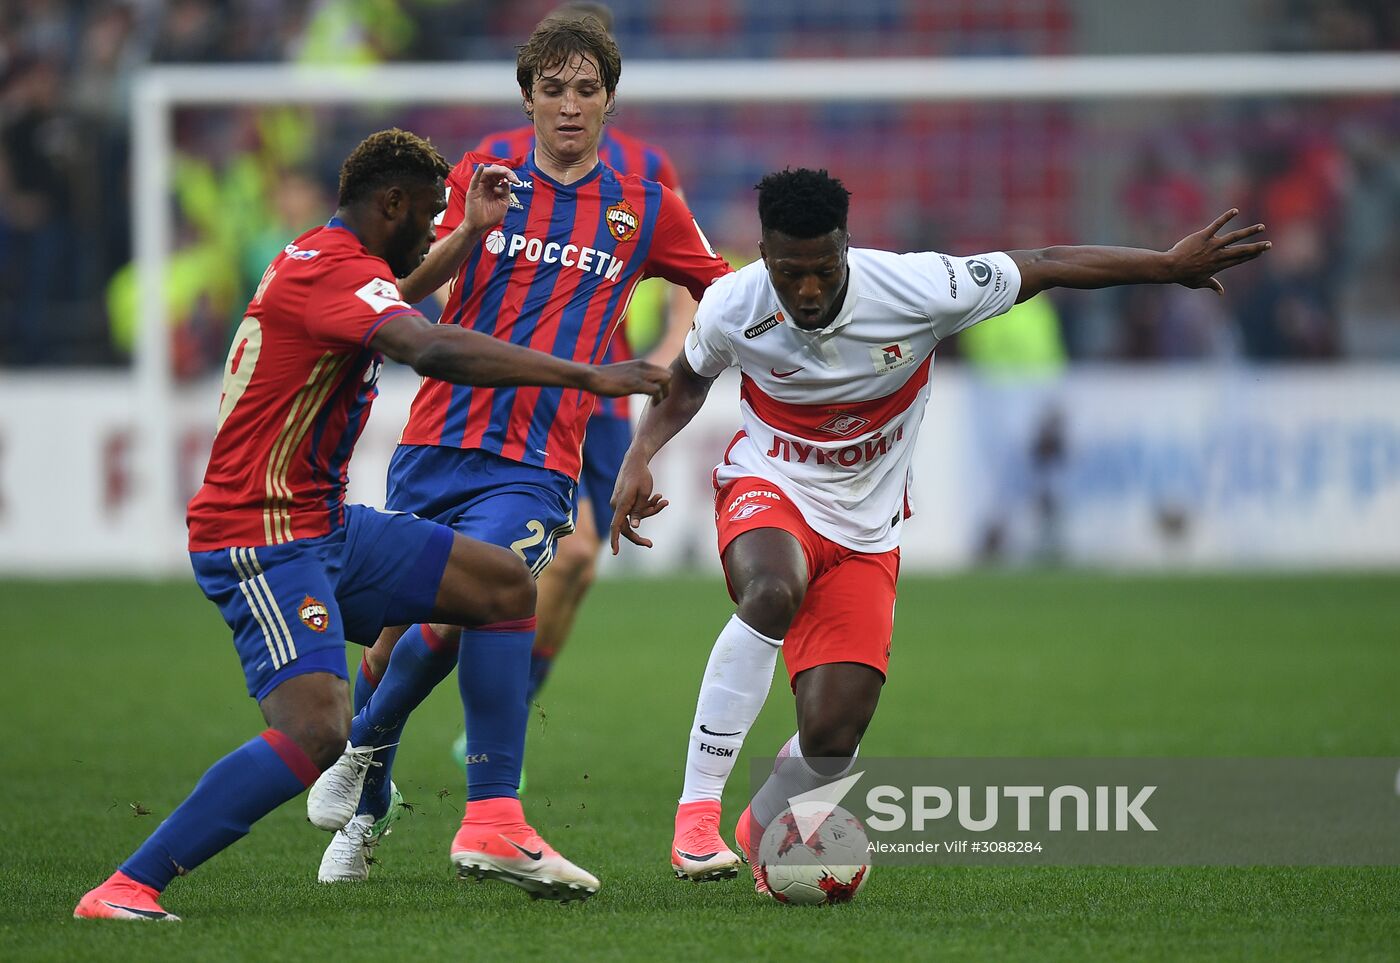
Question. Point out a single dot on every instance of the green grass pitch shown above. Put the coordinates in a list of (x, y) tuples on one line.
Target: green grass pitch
[(121, 694)]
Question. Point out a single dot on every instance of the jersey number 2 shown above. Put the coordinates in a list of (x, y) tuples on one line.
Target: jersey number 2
[(536, 530)]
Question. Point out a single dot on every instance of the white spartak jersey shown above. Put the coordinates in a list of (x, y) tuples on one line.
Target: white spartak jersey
[(831, 416)]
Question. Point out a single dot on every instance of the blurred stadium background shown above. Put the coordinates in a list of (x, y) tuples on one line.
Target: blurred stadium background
[(1140, 427)]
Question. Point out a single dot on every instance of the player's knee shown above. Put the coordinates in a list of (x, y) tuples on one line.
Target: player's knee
[(770, 604), (321, 737), (490, 585), (576, 561), (836, 741), (512, 596)]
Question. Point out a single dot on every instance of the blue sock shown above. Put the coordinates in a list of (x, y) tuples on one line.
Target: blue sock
[(420, 661), (365, 685), (540, 664), (494, 674), (236, 792)]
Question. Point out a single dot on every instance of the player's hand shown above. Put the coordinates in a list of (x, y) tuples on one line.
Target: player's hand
[(488, 196), (630, 378), (1197, 258), (632, 501)]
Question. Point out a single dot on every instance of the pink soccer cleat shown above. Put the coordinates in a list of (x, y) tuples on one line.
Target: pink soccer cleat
[(495, 842), (697, 851), (122, 898), (745, 833)]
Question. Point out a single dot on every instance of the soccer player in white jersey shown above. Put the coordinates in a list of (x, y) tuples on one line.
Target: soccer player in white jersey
[(835, 347)]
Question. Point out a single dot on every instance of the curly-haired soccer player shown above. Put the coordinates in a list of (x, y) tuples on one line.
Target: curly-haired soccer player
[(294, 570)]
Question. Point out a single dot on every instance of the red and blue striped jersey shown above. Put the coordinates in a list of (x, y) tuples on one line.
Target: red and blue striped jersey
[(298, 385), (622, 152), (555, 276), (626, 155)]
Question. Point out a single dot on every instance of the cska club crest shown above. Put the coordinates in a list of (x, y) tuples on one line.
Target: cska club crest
[(622, 221), (314, 615)]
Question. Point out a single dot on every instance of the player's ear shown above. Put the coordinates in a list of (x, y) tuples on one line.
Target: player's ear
[(393, 201), (527, 103)]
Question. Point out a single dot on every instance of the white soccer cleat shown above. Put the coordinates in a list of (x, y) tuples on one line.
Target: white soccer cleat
[(333, 799), (346, 859), (348, 855)]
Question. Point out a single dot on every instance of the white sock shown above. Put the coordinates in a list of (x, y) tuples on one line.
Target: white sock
[(736, 682), (793, 748), (791, 776)]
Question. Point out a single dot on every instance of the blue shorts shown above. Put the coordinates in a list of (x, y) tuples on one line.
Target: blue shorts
[(604, 446), (486, 497), (293, 606)]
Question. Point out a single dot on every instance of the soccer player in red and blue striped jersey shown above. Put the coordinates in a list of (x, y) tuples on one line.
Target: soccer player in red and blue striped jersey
[(556, 275), (622, 152), (501, 464), (294, 570), (563, 585)]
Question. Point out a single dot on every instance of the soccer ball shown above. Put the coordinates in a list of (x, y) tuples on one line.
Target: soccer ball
[(828, 866)]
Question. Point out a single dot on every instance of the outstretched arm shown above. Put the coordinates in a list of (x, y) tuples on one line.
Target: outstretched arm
[(1193, 262), (486, 202), (633, 498), (452, 353)]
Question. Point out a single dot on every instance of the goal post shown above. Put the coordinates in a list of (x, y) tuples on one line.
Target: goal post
[(160, 91)]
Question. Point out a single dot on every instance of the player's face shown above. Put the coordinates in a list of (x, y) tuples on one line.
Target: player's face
[(568, 105), (414, 232), (809, 275)]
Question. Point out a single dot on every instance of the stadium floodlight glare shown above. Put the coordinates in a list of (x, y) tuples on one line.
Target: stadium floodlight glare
[(159, 91)]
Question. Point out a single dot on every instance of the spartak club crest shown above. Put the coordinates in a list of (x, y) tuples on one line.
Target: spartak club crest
[(314, 614), (622, 221), (844, 423)]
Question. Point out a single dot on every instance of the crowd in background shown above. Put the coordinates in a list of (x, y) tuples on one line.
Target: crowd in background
[(1323, 174)]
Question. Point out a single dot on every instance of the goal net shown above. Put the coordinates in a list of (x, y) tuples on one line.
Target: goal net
[(960, 155)]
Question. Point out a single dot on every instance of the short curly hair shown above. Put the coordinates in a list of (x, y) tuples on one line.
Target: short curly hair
[(386, 158), (802, 203), (559, 38)]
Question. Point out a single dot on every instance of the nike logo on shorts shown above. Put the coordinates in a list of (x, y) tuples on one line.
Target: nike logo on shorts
[(783, 374)]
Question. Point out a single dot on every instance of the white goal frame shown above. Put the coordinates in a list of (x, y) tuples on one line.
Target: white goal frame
[(159, 91)]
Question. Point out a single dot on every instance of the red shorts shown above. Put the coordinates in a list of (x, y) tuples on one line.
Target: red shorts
[(847, 614)]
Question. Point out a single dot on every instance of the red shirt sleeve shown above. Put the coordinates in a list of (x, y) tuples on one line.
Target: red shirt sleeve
[(680, 252), (457, 181), (352, 301)]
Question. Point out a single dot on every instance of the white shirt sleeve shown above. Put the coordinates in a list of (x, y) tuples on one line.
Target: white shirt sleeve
[(965, 290), (707, 345)]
